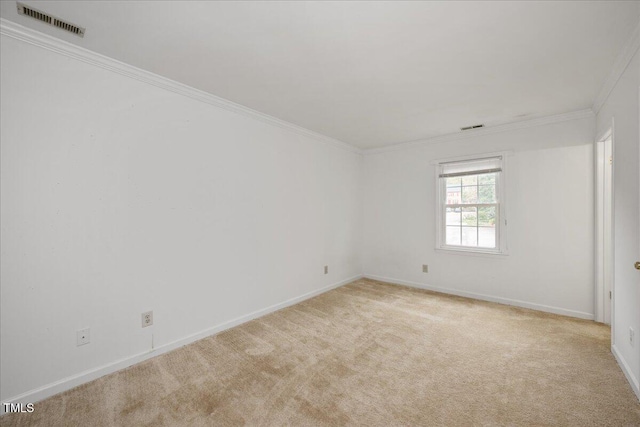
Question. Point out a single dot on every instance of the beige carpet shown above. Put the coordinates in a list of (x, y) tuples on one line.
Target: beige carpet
[(368, 354)]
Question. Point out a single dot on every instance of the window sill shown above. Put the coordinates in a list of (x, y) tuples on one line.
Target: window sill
[(473, 252)]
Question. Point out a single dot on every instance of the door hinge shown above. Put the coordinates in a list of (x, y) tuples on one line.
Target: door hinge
[(609, 294)]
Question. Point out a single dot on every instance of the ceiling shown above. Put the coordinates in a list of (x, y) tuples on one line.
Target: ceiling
[(367, 73)]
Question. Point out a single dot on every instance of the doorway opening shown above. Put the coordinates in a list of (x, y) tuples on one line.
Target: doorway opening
[(604, 228)]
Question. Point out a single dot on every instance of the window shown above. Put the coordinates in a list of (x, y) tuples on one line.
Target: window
[(471, 205)]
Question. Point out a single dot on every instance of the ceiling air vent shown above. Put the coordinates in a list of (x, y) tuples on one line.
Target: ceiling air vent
[(23, 9), (472, 127)]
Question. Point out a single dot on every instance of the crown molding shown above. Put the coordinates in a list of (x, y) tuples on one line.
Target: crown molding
[(524, 124), (622, 62), (36, 38)]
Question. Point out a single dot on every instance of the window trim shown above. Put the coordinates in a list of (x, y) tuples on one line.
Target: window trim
[(501, 228)]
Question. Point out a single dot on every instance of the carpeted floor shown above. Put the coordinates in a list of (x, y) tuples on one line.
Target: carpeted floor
[(368, 354)]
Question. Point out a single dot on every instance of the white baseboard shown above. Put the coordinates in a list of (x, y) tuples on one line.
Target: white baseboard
[(507, 301), (68, 383), (627, 370)]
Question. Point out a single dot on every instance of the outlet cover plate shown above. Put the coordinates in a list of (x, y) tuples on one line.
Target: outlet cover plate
[(147, 319), (83, 336)]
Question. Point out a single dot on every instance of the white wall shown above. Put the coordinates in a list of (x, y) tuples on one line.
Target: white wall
[(120, 197), (622, 107), (549, 186)]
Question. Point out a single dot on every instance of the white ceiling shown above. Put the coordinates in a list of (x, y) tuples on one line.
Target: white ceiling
[(367, 73)]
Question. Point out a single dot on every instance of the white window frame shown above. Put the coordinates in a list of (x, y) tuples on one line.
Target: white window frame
[(501, 212)]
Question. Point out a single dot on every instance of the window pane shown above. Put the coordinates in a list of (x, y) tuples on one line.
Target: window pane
[(470, 180), (454, 182), (453, 236), (454, 216), (487, 237), (469, 236), (469, 216), (453, 196), (487, 216), (471, 205), (470, 194), (486, 194), (487, 178)]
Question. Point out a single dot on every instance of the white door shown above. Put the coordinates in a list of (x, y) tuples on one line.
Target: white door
[(637, 254), (608, 227), (604, 228)]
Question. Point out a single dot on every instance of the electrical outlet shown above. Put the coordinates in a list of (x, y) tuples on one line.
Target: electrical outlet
[(147, 319), (425, 268), (631, 336), (83, 336), (326, 269)]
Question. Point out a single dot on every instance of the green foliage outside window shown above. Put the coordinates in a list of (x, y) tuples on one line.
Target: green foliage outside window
[(476, 189)]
